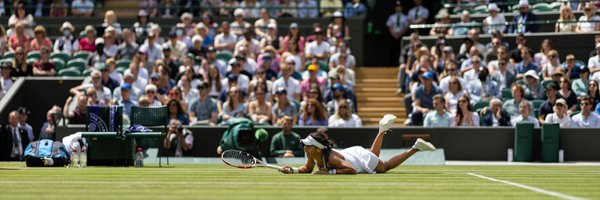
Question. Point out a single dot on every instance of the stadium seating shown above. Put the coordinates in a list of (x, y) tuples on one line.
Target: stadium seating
[(34, 55), (77, 63), (9, 55), (58, 63), (63, 56), (69, 72), (85, 55)]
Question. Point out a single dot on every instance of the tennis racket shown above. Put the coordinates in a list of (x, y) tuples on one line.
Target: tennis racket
[(244, 160)]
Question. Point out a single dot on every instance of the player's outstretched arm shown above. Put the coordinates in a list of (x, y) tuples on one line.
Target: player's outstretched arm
[(307, 168)]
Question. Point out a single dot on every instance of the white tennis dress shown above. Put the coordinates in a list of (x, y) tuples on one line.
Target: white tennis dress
[(364, 161)]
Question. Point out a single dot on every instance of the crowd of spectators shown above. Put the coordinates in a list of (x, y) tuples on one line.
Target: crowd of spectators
[(204, 72), (499, 83)]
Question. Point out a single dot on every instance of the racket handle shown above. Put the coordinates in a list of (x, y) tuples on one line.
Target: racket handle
[(275, 167)]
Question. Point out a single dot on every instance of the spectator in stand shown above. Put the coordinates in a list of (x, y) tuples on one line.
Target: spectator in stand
[(23, 116), (521, 21), (168, 9), (102, 93), (259, 80), (40, 8), (515, 54), (533, 87), (455, 91), (234, 106), (6, 80), (343, 117), (552, 95), (179, 141), (82, 8), (238, 26), (251, 8), (88, 42), (439, 117), (154, 98), (260, 109), (422, 98), (566, 21), (67, 43), (110, 20), (142, 25), (442, 27), (77, 115), (338, 28), (512, 105), (313, 114), (525, 115), (243, 81), (283, 106), (127, 99), (20, 15), (318, 48), (19, 39), (20, 65), (418, 15), (581, 85), (214, 82), (586, 118), (225, 41), (295, 56), (3, 40), (573, 69), (594, 65), (128, 48), (567, 93), (502, 75), (260, 26), (560, 115), (13, 139), (291, 85), (211, 59), (552, 66), (288, 9), (397, 23), (203, 109), (473, 35), (152, 49), (58, 8), (470, 69), (328, 7), (308, 9), (494, 115), (271, 38), (176, 112), (228, 7), (541, 58), (495, 21), (150, 7), (465, 115), (338, 93), (526, 64), (462, 28), (189, 7), (306, 84), (40, 40), (594, 92), (48, 131), (286, 143), (588, 21), (44, 67), (355, 8)]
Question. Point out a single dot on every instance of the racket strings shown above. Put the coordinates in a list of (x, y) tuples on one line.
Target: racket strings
[(238, 158)]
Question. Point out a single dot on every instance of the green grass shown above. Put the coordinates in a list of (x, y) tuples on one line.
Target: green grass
[(223, 182)]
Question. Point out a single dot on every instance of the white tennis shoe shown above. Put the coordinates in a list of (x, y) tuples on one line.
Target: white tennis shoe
[(386, 122), (422, 145)]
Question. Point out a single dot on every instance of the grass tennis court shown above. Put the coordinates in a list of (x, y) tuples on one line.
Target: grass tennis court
[(223, 182)]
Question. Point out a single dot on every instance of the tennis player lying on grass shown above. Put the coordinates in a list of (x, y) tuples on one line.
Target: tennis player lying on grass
[(353, 160)]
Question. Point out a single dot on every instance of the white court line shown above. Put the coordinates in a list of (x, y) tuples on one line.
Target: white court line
[(538, 190)]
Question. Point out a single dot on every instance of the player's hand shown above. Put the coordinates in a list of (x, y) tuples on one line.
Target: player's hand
[(287, 169), (323, 171)]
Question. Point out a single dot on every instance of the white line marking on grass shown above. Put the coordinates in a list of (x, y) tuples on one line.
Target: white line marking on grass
[(538, 190)]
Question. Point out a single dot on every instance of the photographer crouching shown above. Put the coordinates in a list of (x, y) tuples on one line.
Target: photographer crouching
[(179, 141)]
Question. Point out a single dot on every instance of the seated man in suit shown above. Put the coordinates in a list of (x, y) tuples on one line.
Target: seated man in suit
[(13, 139), (494, 115)]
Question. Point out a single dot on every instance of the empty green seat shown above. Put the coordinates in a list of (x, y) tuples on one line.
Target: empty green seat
[(88, 72), (59, 63), (82, 55), (78, 63), (34, 55), (123, 63), (69, 72), (224, 56), (8, 55), (506, 94), (65, 57), (480, 105)]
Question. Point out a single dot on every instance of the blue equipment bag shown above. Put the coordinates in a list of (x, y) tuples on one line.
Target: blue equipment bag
[(37, 151)]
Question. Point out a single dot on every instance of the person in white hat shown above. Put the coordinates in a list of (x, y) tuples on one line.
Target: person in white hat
[(520, 23), (239, 25), (352, 160), (533, 88), (261, 25), (495, 21), (560, 115), (66, 43), (464, 25)]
